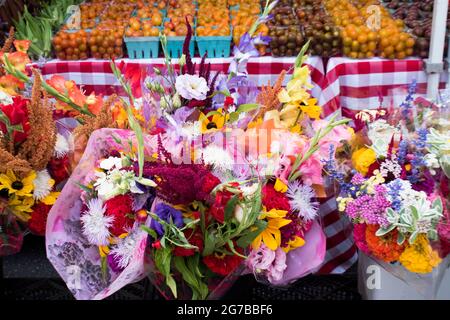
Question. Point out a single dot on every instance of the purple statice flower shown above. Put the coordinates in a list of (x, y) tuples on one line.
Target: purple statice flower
[(393, 189), (402, 152), (406, 105), (369, 208), (168, 214)]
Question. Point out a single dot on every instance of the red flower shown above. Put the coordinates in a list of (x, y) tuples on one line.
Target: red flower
[(222, 264), (59, 168), (229, 101), (17, 113), (217, 209), (134, 74), (195, 239), (273, 199), (156, 245), (209, 183), (38, 220), (120, 207)]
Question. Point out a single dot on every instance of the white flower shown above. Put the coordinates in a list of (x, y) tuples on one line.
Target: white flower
[(42, 185), (5, 98), (62, 146), (431, 162), (217, 157), (124, 250), (249, 190), (95, 224), (390, 166), (300, 199), (239, 213), (191, 87), (110, 163)]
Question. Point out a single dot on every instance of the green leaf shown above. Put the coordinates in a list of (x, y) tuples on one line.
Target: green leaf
[(170, 281), (400, 238), (209, 245), (116, 139), (248, 238), (233, 117), (85, 188), (413, 237), (229, 208), (162, 260), (246, 107), (414, 212), (150, 231), (382, 231), (437, 204)]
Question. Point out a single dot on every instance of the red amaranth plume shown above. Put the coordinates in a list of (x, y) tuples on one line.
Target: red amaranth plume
[(189, 66)]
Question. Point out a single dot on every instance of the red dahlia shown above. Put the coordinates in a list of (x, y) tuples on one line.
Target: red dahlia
[(38, 220), (273, 199), (222, 264), (209, 183), (120, 207)]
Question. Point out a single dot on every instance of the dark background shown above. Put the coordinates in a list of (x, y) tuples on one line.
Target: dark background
[(28, 275)]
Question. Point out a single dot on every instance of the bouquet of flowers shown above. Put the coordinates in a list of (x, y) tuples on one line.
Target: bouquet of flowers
[(393, 198), (33, 157), (94, 237)]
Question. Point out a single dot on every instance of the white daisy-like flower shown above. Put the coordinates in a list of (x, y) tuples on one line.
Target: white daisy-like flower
[(300, 199), (95, 223), (62, 146), (42, 185), (124, 250), (218, 157), (110, 163)]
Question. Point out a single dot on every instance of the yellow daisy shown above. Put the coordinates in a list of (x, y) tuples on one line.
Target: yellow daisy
[(16, 186), (216, 122), (271, 235)]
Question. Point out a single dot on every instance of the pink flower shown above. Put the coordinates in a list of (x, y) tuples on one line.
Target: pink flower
[(336, 135), (270, 263), (311, 170)]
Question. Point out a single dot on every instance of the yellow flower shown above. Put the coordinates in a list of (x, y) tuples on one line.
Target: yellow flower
[(217, 121), (294, 93), (302, 74), (362, 159), (311, 109), (271, 236), (419, 257), (103, 250), (255, 123), (280, 186), (293, 244), (16, 186), (51, 198), (21, 207)]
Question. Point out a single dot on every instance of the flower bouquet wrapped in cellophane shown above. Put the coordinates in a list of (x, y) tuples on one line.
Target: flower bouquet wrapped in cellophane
[(94, 239), (397, 197)]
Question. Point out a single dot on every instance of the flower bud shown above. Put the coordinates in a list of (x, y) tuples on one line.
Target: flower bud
[(182, 61), (163, 102), (176, 101), (141, 215), (156, 244), (157, 71)]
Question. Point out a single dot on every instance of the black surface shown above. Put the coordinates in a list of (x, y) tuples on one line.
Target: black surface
[(30, 276)]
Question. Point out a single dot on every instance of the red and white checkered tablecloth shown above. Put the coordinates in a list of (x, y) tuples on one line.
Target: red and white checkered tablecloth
[(96, 75), (355, 85)]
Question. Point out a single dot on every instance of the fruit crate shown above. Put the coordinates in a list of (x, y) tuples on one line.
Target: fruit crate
[(214, 46), (175, 46), (142, 47)]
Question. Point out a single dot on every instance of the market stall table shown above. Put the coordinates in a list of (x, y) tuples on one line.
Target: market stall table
[(355, 85), (96, 75)]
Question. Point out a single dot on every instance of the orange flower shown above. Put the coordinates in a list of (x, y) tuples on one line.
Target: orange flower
[(18, 59), (385, 247), (11, 85), (94, 103), (22, 45), (58, 82)]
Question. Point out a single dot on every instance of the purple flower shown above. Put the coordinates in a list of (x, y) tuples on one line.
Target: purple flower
[(113, 262), (369, 208), (167, 214)]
